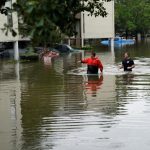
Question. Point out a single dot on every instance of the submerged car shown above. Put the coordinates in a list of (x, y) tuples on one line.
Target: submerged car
[(64, 48), (119, 41)]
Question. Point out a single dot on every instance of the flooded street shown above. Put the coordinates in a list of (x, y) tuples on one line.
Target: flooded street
[(56, 106)]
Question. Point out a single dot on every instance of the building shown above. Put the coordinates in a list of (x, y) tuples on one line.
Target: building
[(91, 27), (87, 27), (12, 21)]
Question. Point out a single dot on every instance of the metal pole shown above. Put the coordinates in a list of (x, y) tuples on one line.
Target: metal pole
[(16, 51), (69, 43), (82, 34), (112, 49), (112, 43)]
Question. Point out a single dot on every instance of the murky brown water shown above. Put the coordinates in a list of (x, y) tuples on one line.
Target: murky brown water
[(56, 106)]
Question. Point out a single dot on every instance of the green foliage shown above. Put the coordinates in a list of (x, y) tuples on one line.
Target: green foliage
[(88, 47), (2, 3), (132, 15)]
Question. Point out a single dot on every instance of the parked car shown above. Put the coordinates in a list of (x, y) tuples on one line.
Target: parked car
[(64, 48), (2, 47), (119, 41)]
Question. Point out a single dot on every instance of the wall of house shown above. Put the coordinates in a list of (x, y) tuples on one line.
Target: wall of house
[(99, 27), (4, 20)]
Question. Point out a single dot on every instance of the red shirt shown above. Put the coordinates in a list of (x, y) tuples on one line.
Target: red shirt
[(93, 61)]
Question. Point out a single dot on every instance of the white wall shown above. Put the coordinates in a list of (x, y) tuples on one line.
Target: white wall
[(3, 20), (99, 27)]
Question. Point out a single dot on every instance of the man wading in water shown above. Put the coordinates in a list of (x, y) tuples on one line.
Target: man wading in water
[(127, 63), (93, 64)]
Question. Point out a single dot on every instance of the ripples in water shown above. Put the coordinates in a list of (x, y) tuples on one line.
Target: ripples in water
[(141, 68), (59, 107)]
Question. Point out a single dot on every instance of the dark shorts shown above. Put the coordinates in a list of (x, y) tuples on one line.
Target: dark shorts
[(92, 69)]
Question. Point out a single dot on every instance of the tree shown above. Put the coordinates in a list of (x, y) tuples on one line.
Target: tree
[(2, 3), (47, 20), (132, 16)]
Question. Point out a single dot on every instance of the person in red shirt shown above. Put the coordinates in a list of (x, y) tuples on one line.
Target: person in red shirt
[(93, 64)]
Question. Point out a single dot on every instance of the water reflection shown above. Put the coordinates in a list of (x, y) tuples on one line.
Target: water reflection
[(10, 111), (61, 106), (47, 95), (93, 84), (44, 107), (47, 61), (125, 79), (66, 62)]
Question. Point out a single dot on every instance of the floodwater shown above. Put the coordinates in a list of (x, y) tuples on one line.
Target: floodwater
[(56, 106)]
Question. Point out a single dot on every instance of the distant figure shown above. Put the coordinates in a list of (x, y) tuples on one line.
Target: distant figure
[(93, 64), (127, 63), (47, 53)]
